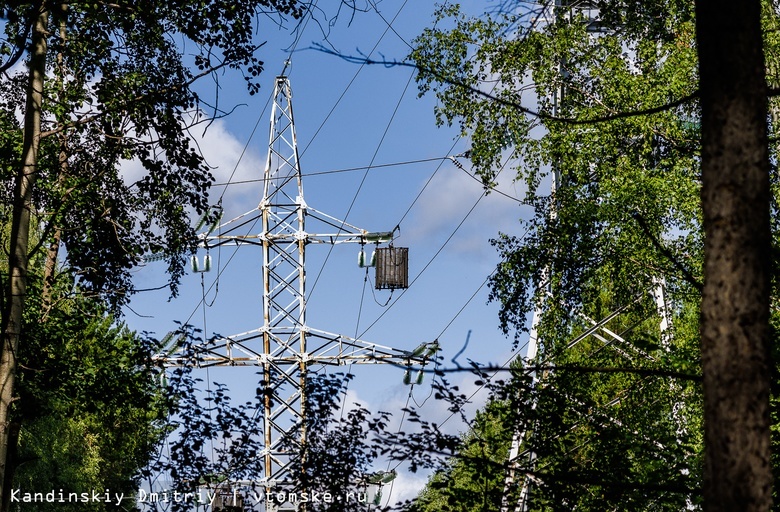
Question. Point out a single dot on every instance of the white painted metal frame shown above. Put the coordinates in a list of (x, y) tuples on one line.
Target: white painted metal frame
[(285, 346)]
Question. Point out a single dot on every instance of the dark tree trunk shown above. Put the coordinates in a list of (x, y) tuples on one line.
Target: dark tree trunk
[(52, 253), (735, 305), (11, 462)]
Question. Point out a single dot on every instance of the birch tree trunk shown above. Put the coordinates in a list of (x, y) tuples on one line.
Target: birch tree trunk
[(52, 252), (20, 230)]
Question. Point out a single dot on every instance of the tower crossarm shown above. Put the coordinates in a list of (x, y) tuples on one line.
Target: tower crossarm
[(364, 237), (329, 230), (324, 348)]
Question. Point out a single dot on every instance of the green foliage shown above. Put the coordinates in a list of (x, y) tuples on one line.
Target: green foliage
[(596, 110), (119, 87), (473, 480), (621, 185), (605, 427), (331, 451), (90, 407), (616, 440)]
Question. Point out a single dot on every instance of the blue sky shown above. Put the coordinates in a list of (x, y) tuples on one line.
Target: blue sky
[(348, 116)]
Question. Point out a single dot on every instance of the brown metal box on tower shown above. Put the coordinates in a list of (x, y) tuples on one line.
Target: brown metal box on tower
[(392, 268)]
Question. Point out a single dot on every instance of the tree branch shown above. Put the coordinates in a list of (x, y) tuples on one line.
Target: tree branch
[(86, 119), (513, 104), (20, 46), (603, 480), (667, 253), (483, 371)]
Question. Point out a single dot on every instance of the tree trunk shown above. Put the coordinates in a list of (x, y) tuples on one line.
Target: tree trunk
[(20, 229), (52, 253), (735, 330), (11, 463)]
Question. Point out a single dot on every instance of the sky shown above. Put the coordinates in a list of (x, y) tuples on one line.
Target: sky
[(348, 117)]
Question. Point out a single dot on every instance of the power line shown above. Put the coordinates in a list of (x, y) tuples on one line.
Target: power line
[(376, 152), (349, 85), (447, 241), (300, 29), (430, 179), (360, 186), (487, 188), (390, 25), (241, 155), (346, 169), (215, 284), (365, 175)]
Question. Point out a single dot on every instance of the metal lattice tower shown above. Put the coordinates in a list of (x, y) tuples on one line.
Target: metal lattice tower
[(519, 451), (285, 347), (284, 279)]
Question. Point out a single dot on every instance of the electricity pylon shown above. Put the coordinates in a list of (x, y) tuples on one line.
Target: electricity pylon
[(285, 346), (520, 455)]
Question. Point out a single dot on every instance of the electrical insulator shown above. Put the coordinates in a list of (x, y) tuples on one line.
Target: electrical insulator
[(216, 213), (195, 264)]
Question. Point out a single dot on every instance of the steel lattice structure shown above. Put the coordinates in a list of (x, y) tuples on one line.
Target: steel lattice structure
[(519, 453), (285, 347)]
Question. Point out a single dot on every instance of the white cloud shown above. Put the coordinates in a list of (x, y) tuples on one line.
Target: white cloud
[(225, 154), (448, 199), (231, 162), (352, 401)]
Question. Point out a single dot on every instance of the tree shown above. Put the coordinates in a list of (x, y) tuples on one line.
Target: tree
[(216, 443), (600, 433), (91, 409), (474, 478), (600, 98), (735, 330), (213, 443), (106, 82)]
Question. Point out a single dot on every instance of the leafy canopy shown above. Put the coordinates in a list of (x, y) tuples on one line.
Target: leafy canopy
[(119, 88), (90, 409), (593, 105)]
